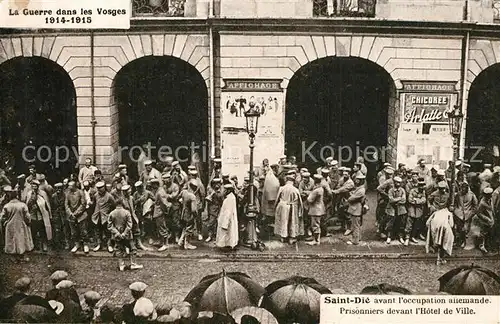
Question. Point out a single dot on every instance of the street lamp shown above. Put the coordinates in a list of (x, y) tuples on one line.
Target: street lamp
[(455, 119), (252, 119)]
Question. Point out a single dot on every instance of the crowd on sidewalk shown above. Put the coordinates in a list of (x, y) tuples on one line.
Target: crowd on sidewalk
[(174, 206)]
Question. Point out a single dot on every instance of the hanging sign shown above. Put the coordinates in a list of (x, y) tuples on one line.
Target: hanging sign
[(423, 131), (237, 96)]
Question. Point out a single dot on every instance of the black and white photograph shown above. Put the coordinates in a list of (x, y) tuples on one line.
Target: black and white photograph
[(234, 161)]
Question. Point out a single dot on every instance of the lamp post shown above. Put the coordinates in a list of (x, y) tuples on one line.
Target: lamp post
[(455, 119), (252, 122)]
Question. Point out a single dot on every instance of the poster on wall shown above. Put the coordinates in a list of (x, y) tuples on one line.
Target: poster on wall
[(237, 96), (423, 132)]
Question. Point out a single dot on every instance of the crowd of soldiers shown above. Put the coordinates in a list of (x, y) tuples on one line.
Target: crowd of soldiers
[(407, 197)]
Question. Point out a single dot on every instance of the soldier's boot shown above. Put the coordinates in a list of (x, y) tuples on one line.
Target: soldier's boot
[(187, 245), (75, 248), (209, 238), (135, 266), (164, 246), (180, 242), (139, 245)]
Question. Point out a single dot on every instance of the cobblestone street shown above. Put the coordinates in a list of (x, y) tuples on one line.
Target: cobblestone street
[(171, 280)]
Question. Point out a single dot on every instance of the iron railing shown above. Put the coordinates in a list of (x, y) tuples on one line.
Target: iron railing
[(158, 8), (344, 8), (496, 11)]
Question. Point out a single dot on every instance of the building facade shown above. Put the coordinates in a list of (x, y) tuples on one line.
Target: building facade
[(390, 70)]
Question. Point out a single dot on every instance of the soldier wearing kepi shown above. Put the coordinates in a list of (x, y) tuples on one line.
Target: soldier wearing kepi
[(317, 209), (214, 204), (104, 205), (188, 214), (120, 227), (161, 211), (75, 205), (173, 192), (417, 201), (150, 173), (395, 210), (59, 218), (41, 213), (144, 206), (128, 204)]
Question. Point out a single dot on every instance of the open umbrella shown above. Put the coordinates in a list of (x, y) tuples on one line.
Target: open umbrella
[(34, 309), (224, 292), (385, 289), (294, 300), (470, 280), (261, 314)]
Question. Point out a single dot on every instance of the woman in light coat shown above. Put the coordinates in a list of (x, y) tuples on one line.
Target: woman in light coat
[(227, 223)]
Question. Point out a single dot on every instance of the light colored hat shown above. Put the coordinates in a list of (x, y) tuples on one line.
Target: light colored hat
[(64, 284), (442, 184), (387, 164), (334, 163), (59, 275), (138, 286), (7, 188), (148, 162), (122, 166), (193, 172), (166, 176), (92, 296), (397, 179), (318, 176), (191, 167), (347, 169), (35, 182), (138, 184), (287, 166), (283, 157), (361, 177), (291, 172), (487, 165), (86, 183), (144, 308), (217, 160), (154, 180), (228, 186), (329, 159), (262, 177), (414, 172), (125, 187), (496, 169), (466, 165), (389, 170), (290, 177), (440, 172), (21, 176), (306, 174), (302, 170), (58, 307), (458, 163), (421, 182), (247, 178), (175, 163), (324, 170), (117, 175), (216, 180), (100, 184), (22, 283), (488, 191)]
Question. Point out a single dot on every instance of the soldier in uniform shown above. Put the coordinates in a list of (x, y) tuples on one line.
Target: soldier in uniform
[(214, 203), (137, 289), (128, 204), (122, 170), (161, 212), (412, 182), (143, 205), (21, 188), (417, 201), (395, 210), (440, 198), (346, 185), (76, 211), (316, 208), (466, 204), (356, 208), (306, 186), (382, 190), (178, 175), (188, 214), (59, 219), (105, 203), (200, 194), (150, 172), (41, 214), (173, 192), (120, 226)]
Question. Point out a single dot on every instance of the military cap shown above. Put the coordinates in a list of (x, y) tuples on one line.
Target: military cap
[(442, 184), (228, 186), (389, 170), (262, 177), (64, 284), (7, 188), (22, 283), (166, 175), (41, 177), (440, 172), (414, 172), (217, 160), (306, 174), (193, 172), (290, 172), (466, 165), (122, 166), (31, 166), (304, 170), (144, 308), (287, 166), (387, 164), (496, 169), (487, 165), (59, 275), (421, 182), (290, 177), (488, 191), (334, 163), (216, 180), (329, 159), (71, 183), (100, 184), (318, 176), (294, 166), (138, 286), (148, 162), (138, 184), (125, 187), (247, 178), (108, 186), (397, 179), (169, 159), (458, 163), (21, 176), (225, 175), (92, 296), (361, 177), (117, 176), (35, 182), (175, 163), (283, 156), (86, 183), (191, 167), (324, 170), (420, 160), (154, 180)]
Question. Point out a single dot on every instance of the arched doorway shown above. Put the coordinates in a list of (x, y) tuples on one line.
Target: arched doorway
[(483, 118), (38, 117), (161, 100), (334, 102)]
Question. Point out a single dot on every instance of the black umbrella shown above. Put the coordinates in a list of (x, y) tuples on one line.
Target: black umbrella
[(294, 300), (385, 289), (470, 280), (224, 292)]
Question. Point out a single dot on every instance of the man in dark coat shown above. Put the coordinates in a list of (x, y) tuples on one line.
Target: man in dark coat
[(137, 289), (7, 304)]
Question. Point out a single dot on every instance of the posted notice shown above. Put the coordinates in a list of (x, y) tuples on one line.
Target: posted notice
[(65, 14), (409, 309)]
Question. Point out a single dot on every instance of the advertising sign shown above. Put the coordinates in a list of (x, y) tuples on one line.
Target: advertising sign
[(423, 131), (236, 98)]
